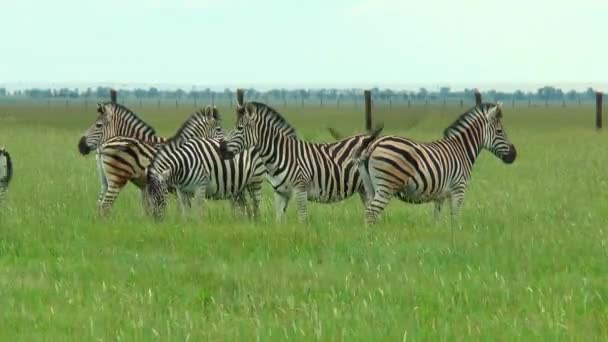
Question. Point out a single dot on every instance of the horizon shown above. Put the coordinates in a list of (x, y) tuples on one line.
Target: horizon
[(500, 87)]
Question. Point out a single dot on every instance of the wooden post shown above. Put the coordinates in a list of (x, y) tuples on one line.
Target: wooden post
[(113, 95), (461, 103), (176, 103), (477, 98), (240, 96), (368, 109), (598, 109)]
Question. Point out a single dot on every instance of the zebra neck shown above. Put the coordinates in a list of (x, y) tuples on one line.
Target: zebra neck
[(468, 144), (273, 151)]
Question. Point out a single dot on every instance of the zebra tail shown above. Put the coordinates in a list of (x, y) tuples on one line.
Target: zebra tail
[(362, 158), (362, 153), (9, 168)]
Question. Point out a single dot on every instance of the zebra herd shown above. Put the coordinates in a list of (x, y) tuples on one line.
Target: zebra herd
[(201, 161)]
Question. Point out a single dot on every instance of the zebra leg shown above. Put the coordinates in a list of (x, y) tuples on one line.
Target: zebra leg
[(281, 199), (456, 203), (301, 202), (437, 211), (200, 196), (239, 203), (184, 201), (107, 197), (382, 196), (456, 198), (255, 191)]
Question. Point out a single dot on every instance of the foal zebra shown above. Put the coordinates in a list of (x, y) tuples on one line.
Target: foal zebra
[(319, 172), (6, 172), (194, 167), (425, 172), (126, 145)]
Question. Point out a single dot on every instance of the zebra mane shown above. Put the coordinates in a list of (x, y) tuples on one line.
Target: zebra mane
[(269, 113), (469, 116), (197, 123), (126, 115)]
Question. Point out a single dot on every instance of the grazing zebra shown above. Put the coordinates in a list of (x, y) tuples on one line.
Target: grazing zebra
[(432, 172), (195, 167), (126, 145), (6, 172), (318, 172)]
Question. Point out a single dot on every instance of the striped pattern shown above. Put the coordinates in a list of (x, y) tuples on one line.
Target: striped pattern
[(6, 172), (432, 172), (123, 159), (115, 120), (195, 167), (318, 172)]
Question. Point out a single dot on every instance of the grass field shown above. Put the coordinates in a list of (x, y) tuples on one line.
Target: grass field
[(529, 262)]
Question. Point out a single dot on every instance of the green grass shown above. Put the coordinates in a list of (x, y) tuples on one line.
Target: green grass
[(529, 261)]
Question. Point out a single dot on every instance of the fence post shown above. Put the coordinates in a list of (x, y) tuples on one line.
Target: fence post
[(175, 103), (598, 109), (240, 96), (368, 109), (477, 98), (113, 95)]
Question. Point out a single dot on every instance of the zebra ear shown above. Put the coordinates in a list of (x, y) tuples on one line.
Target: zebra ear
[(215, 114), (207, 111), (495, 112), (240, 111)]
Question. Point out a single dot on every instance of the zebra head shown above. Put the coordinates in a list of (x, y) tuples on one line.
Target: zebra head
[(481, 127), (495, 138), (155, 193), (256, 124), (204, 123), (113, 120)]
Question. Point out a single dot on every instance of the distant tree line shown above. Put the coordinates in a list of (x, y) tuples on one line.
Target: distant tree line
[(546, 93)]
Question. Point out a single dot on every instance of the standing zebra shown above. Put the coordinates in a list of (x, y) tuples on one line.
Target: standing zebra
[(195, 167), (432, 172), (126, 145), (319, 172), (6, 172)]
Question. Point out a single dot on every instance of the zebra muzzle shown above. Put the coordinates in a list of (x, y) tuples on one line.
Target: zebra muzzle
[(83, 148), (510, 156)]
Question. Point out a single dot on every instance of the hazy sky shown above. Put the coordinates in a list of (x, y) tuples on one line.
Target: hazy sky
[(312, 42)]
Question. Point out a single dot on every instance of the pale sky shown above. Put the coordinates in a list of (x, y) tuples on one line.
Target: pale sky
[(306, 42)]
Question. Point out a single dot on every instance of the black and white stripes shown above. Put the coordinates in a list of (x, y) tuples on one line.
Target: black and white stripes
[(318, 172), (432, 172)]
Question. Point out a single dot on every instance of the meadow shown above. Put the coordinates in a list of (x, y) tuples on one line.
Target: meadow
[(527, 261)]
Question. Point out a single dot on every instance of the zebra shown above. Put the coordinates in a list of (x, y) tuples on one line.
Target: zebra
[(6, 172), (125, 145), (432, 172), (194, 167), (323, 172)]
